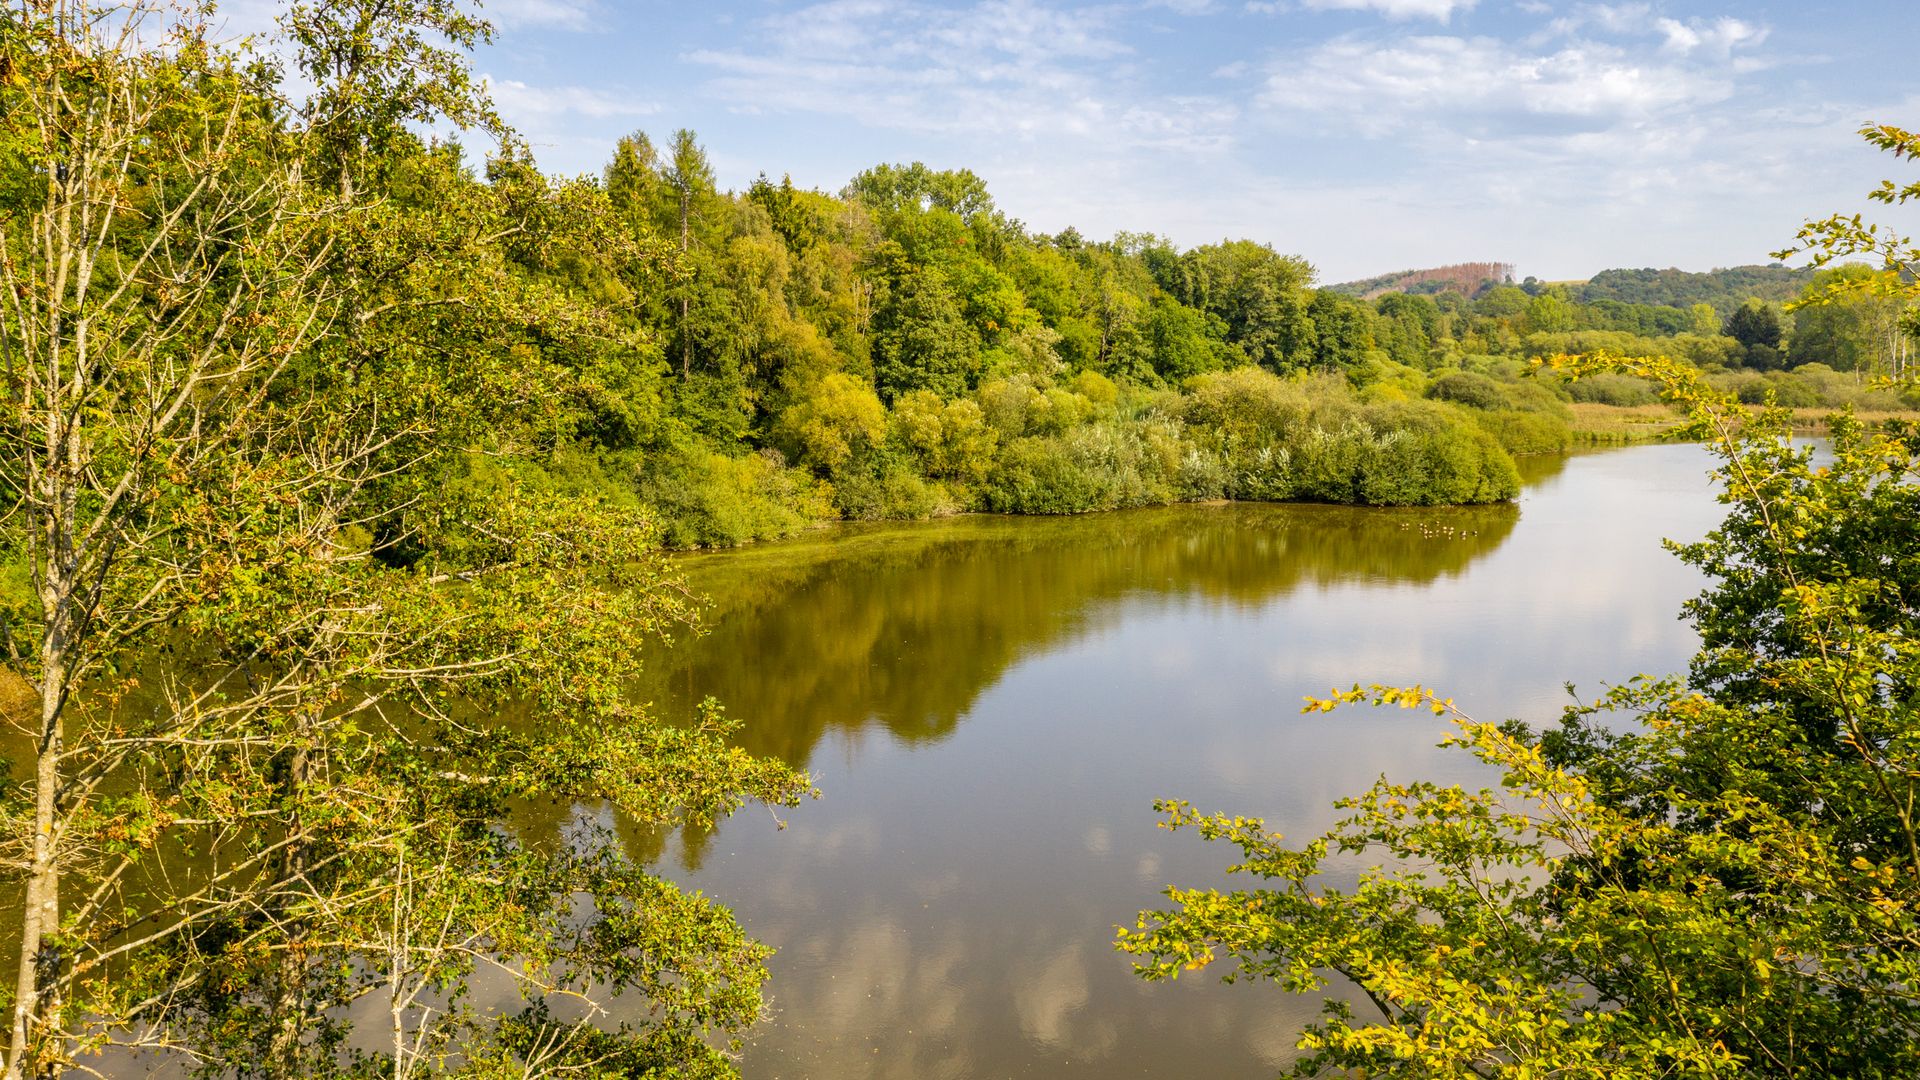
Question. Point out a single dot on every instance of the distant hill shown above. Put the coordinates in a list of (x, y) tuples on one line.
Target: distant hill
[(1724, 289), (1468, 279)]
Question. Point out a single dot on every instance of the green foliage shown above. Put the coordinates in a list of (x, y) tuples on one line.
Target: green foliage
[(891, 493), (1468, 388), (921, 341), (1708, 876), (709, 499), (1095, 467), (1522, 432), (339, 571), (1755, 323), (1614, 389), (840, 419), (1725, 290)]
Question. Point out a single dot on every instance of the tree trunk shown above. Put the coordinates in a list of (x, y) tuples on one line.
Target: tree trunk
[(36, 1009), (686, 335), (289, 996), (36, 1005)]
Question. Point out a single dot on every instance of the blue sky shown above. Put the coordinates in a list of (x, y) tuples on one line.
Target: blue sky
[(1366, 135)]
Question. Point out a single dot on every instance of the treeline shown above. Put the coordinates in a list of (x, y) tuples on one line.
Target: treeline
[(1725, 289), (904, 348)]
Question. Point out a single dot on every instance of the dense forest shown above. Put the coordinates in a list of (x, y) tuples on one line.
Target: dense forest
[(903, 348), (1724, 289)]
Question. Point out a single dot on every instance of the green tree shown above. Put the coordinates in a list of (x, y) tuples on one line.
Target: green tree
[(893, 188), (379, 66), (1178, 340), (921, 341), (1757, 327), (307, 622), (690, 178), (633, 178), (840, 419), (1844, 236), (1551, 313), (1702, 319), (1343, 331)]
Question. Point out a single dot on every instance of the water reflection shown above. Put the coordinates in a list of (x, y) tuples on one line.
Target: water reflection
[(904, 626), (992, 705)]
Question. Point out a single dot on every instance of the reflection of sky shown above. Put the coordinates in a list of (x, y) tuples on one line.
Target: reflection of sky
[(948, 908)]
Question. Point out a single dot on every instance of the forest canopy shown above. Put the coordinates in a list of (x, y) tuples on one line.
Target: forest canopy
[(904, 348)]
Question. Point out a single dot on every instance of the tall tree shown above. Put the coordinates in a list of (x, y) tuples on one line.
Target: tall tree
[(691, 177), (268, 462)]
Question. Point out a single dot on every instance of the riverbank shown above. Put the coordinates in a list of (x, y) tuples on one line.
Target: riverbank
[(1617, 425)]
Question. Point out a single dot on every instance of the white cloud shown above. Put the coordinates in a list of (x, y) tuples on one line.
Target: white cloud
[(1619, 18), (1615, 116), (1719, 37), (1441, 10), (1385, 85)]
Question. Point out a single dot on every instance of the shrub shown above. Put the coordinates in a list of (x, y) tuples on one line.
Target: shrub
[(1426, 457), (1095, 388), (1610, 389), (839, 419), (1037, 476), (890, 493), (951, 440), (706, 499), (1201, 474), (1023, 405), (1470, 389), (1246, 404), (1096, 467), (1520, 432)]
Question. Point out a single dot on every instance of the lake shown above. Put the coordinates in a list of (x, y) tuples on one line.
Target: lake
[(990, 707)]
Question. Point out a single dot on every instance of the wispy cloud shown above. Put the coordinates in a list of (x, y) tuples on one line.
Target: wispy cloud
[(1717, 37), (1485, 85), (999, 68), (1615, 106), (1440, 10)]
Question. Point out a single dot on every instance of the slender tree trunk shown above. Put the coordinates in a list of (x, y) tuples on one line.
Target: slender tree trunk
[(289, 997), (36, 1008), (686, 334)]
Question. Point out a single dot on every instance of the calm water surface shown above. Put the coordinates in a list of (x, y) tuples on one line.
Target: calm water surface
[(991, 706)]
